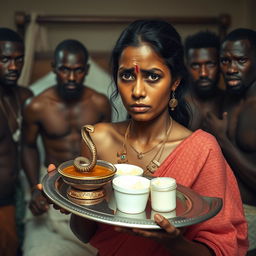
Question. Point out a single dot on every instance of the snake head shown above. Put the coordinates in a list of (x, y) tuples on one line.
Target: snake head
[(83, 164), (89, 128)]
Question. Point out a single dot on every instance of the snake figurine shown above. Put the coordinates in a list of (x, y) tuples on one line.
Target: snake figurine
[(83, 164)]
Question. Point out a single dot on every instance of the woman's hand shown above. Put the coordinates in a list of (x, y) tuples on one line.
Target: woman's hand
[(165, 236), (51, 168), (171, 238)]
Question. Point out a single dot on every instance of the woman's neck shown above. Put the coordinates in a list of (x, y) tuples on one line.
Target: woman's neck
[(146, 133)]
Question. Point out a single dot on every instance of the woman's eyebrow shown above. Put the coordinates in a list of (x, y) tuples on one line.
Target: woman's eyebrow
[(121, 69), (126, 69), (151, 70)]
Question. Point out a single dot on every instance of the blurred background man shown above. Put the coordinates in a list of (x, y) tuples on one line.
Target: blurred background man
[(57, 114), (12, 98), (236, 130), (204, 94)]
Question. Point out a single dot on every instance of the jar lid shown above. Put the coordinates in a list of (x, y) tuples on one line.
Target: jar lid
[(163, 184)]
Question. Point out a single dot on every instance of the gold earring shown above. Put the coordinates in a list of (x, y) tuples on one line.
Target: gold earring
[(173, 102)]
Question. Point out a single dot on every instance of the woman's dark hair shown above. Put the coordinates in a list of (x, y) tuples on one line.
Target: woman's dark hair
[(166, 41)]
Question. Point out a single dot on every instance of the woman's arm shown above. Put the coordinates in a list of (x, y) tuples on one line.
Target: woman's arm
[(83, 228), (171, 238)]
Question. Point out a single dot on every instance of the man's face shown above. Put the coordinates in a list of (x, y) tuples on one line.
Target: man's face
[(238, 65), (70, 69), (203, 66), (11, 62)]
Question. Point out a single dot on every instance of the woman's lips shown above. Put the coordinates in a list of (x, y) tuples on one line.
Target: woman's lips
[(140, 108)]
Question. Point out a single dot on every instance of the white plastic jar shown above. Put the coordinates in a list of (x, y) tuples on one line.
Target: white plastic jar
[(163, 194)]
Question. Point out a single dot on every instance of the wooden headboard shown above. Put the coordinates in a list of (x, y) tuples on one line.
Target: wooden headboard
[(42, 61), (22, 19)]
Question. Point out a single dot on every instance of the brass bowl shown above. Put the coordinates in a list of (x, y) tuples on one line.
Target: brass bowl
[(85, 197), (87, 182)]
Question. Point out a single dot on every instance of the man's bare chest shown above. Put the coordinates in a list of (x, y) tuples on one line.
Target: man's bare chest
[(61, 122), (239, 128), (199, 111)]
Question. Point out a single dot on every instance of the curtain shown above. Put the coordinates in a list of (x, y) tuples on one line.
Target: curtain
[(35, 40)]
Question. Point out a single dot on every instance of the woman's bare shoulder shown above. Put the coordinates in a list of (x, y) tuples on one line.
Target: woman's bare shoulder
[(179, 132), (108, 131), (108, 139)]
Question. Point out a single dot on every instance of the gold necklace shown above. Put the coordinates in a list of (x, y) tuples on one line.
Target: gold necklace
[(155, 162), (122, 156), (140, 155), (17, 116)]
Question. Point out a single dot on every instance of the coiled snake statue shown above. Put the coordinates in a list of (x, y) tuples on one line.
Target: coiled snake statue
[(81, 163)]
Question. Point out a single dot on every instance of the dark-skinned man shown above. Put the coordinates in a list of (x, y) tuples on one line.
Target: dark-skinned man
[(236, 130), (57, 115), (12, 99), (203, 94)]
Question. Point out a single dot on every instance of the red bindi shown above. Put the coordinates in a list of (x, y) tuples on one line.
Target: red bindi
[(136, 68)]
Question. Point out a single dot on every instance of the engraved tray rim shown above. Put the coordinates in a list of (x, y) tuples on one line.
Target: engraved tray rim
[(213, 204)]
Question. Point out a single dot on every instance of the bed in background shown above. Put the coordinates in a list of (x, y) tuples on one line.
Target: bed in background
[(42, 66)]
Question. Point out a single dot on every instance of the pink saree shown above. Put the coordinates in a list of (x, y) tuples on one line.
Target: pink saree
[(198, 163)]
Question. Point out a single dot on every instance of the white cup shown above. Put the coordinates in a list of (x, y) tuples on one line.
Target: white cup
[(128, 169), (131, 193)]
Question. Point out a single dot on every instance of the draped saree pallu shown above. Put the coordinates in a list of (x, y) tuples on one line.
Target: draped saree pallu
[(197, 163)]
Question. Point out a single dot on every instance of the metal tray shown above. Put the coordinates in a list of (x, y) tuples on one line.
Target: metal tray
[(191, 207)]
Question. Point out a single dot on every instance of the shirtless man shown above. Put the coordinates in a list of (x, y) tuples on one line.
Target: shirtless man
[(57, 114), (12, 98), (203, 95), (236, 131)]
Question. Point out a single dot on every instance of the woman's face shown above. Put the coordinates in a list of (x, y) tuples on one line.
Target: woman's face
[(144, 82)]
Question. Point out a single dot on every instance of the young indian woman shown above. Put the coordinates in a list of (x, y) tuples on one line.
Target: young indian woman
[(148, 71)]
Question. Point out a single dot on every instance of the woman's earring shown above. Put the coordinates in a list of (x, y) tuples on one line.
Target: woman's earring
[(173, 103)]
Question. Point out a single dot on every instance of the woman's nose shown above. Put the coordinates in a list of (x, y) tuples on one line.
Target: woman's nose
[(139, 89)]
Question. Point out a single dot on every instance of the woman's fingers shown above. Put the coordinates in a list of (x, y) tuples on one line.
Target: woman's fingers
[(166, 225), (51, 168), (40, 186), (167, 232)]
